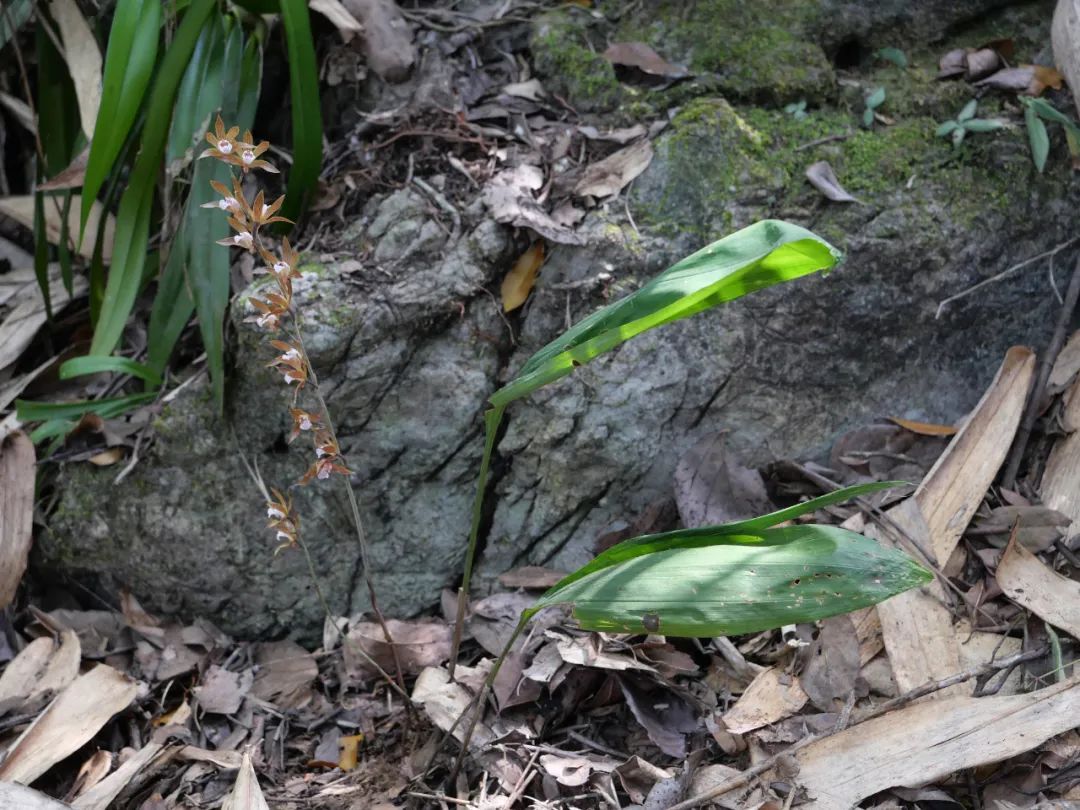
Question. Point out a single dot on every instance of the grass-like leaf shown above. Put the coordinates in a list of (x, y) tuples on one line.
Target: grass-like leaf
[(738, 583), (306, 113), (129, 64), (1037, 137), (91, 364), (133, 218), (105, 408)]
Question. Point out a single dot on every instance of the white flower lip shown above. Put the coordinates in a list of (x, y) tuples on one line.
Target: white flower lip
[(224, 146)]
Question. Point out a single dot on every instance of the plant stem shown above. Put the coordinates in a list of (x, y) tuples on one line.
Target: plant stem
[(492, 420), (361, 536)]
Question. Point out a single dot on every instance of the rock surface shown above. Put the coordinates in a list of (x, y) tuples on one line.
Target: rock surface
[(409, 343)]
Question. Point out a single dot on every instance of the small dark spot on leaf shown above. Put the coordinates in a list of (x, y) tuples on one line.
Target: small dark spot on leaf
[(651, 622)]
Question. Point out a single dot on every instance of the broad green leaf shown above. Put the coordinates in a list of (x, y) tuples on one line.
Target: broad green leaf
[(764, 254), (306, 112), (739, 583), (958, 135), (647, 544), (105, 408), (52, 429), (868, 117), (894, 55), (1046, 110), (946, 128), (968, 112), (90, 364), (875, 99), (199, 92), (133, 218), (984, 124), (1037, 137), (129, 63)]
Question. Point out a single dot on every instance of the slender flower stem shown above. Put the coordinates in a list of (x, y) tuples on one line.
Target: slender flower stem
[(361, 535)]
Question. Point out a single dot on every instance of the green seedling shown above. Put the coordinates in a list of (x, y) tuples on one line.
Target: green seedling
[(894, 55), (797, 110), (873, 101), (1036, 112), (965, 122)]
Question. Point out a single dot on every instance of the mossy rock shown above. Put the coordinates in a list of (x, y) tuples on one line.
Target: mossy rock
[(567, 59)]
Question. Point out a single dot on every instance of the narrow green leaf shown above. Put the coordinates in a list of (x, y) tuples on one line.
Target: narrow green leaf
[(968, 112), (648, 543), (133, 218), (875, 99), (41, 251), (51, 430), (105, 408), (946, 128), (958, 135), (129, 63), (1044, 109), (306, 112), (739, 583), (894, 55), (91, 364), (759, 256), (868, 117), (1037, 137), (984, 124)]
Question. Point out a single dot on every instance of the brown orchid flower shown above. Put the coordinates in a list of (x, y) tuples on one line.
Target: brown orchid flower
[(291, 363), (283, 520), (302, 421), (248, 157), (323, 468), (224, 144)]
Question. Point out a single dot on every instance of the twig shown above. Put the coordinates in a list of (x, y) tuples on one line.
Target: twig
[(443, 203), (1046, 365), (840, 136), (879, 710), (1020, 265)]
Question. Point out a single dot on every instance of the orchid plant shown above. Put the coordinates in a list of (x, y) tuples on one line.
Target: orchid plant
[(275, 313)]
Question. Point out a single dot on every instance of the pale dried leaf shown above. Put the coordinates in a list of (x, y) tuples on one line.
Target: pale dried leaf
[(924, 428), (43, 666), (1030, 583), (712, 487), (1065, 37), (620, 135), (76, 715), (509, 198), (286, 672), (387, 37), (347, 25), (21, 209), (641, 56), (927, 741), (101, 796), (27, 314), (227, 760), (1066, 365), (1060, 487), (531, 90), (17, 475), (585, 651), (221, 691), (533, 577), (419, 644), (612, 174), (14, 796), (664, 715), (20, 111), (574, 771), (92, 771), (246, 793), (823, 178), (770, 697), (83, 59), (444, 701)]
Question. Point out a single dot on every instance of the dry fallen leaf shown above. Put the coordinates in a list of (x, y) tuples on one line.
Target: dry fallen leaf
[(519, 281), (83, 59), (221, 691), (833, 664), (612, 174), (419, 644), (1031, 80), (641, 56), (101, 795), (1030, 583), (664, 715), (770, 697), (72, 176), (17, 475), (574, 771), (285, 674), (533, 577), (246, 793), (712, 487), (92, 771), (21, 209), (14, 796), (350, 751), (823, 178), (42, 666), (509, 198), (924, 428), (27, 308), (346, 24), (76, 715)]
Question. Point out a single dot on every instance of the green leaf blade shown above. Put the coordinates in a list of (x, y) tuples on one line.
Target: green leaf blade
[(91, 364), (1037, 137), (792, 574), (759, 256), (306, 112)]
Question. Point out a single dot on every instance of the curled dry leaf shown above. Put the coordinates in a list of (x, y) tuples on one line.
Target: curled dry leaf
[(923, 428), (640, 56), (509, 198), (387, 37), (285, 674), (519, 281), (17, 475), (665, 716), (823, 178), (1031, 80), (612, 174), (833, 664), (574, 771), (347, 25), (221, 691)]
